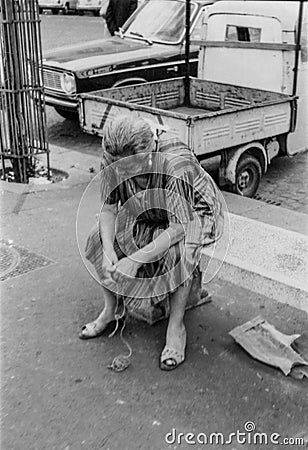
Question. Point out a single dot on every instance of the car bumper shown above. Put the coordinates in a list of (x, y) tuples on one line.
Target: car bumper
[(67, 104)]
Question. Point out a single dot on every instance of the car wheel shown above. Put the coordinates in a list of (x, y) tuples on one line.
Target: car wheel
[(55, 11), (248, 176), (66, 113)]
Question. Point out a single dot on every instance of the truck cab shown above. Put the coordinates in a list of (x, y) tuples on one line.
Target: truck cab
[(259, 45)]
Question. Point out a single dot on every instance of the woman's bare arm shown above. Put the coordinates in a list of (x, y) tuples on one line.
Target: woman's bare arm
[(173, 234), (107, 226)]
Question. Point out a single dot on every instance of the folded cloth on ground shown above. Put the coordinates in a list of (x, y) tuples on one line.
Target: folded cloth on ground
[(266, 344)]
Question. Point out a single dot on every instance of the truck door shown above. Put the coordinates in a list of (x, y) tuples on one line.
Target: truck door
[(255, 50)]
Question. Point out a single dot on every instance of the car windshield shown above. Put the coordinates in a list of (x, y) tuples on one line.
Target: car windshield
[(159, 21)]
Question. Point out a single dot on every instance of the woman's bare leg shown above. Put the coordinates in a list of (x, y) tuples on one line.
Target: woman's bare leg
[(110, 308), (96, 328), (176, 332)]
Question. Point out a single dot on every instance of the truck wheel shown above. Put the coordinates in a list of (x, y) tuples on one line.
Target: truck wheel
[(248, 176), (55, 11), (67, 114)]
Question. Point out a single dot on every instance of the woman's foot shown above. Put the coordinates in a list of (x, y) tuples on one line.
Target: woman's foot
[(97, 327), (174, 352)]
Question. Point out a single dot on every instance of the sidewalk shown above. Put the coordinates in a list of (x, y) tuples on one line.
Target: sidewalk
[(56, 390)]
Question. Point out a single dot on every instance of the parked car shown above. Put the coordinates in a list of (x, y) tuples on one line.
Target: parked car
[(57, 5), (149, 47), (93, 6)]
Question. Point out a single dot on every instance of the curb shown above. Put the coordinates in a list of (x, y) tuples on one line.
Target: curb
[(76, 164), (265, 259)]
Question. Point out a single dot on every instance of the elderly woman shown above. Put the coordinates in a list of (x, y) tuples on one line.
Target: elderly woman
[(159, 209)]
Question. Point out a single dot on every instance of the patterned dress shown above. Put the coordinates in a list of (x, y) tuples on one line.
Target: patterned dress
[(178, 190)]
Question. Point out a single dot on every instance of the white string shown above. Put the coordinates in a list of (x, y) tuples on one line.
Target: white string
[(121, 362)]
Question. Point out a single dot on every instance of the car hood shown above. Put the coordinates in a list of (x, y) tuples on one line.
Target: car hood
[(106, 52)]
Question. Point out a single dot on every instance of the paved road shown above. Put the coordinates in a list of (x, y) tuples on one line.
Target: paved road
[(65, 30), (286, 182), (57, 392)]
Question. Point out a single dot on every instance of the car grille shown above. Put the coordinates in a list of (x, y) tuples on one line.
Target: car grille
[(52, 80)]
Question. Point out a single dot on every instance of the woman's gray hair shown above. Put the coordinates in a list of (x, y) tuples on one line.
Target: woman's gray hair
[(127, 135)]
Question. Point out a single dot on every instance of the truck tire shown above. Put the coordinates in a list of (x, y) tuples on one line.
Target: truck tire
[(67, 114), (248, 176)]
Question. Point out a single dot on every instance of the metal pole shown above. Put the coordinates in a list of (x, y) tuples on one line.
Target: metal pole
[(22, 113), (187, 49), (298, 45)]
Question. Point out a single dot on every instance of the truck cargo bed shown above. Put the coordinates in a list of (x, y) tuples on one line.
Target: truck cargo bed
[(218, 115)]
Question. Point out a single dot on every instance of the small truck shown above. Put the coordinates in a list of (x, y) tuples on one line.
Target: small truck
[(249, 103)]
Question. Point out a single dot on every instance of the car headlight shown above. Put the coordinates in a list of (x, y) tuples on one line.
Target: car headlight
[(68, 83)]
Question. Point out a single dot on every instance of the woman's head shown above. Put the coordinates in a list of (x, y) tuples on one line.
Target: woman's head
[(126, 136)]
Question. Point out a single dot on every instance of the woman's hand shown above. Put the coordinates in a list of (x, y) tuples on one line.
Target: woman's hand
[(126, 267), (109, 262)]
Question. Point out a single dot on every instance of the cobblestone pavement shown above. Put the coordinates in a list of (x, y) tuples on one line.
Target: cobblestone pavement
[(286, 182)]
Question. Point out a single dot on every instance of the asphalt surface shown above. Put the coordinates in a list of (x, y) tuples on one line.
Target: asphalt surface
[(57, 392), (67, 30)]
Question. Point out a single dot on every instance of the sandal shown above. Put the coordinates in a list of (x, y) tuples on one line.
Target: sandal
[(91, 330), (171, 358)]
